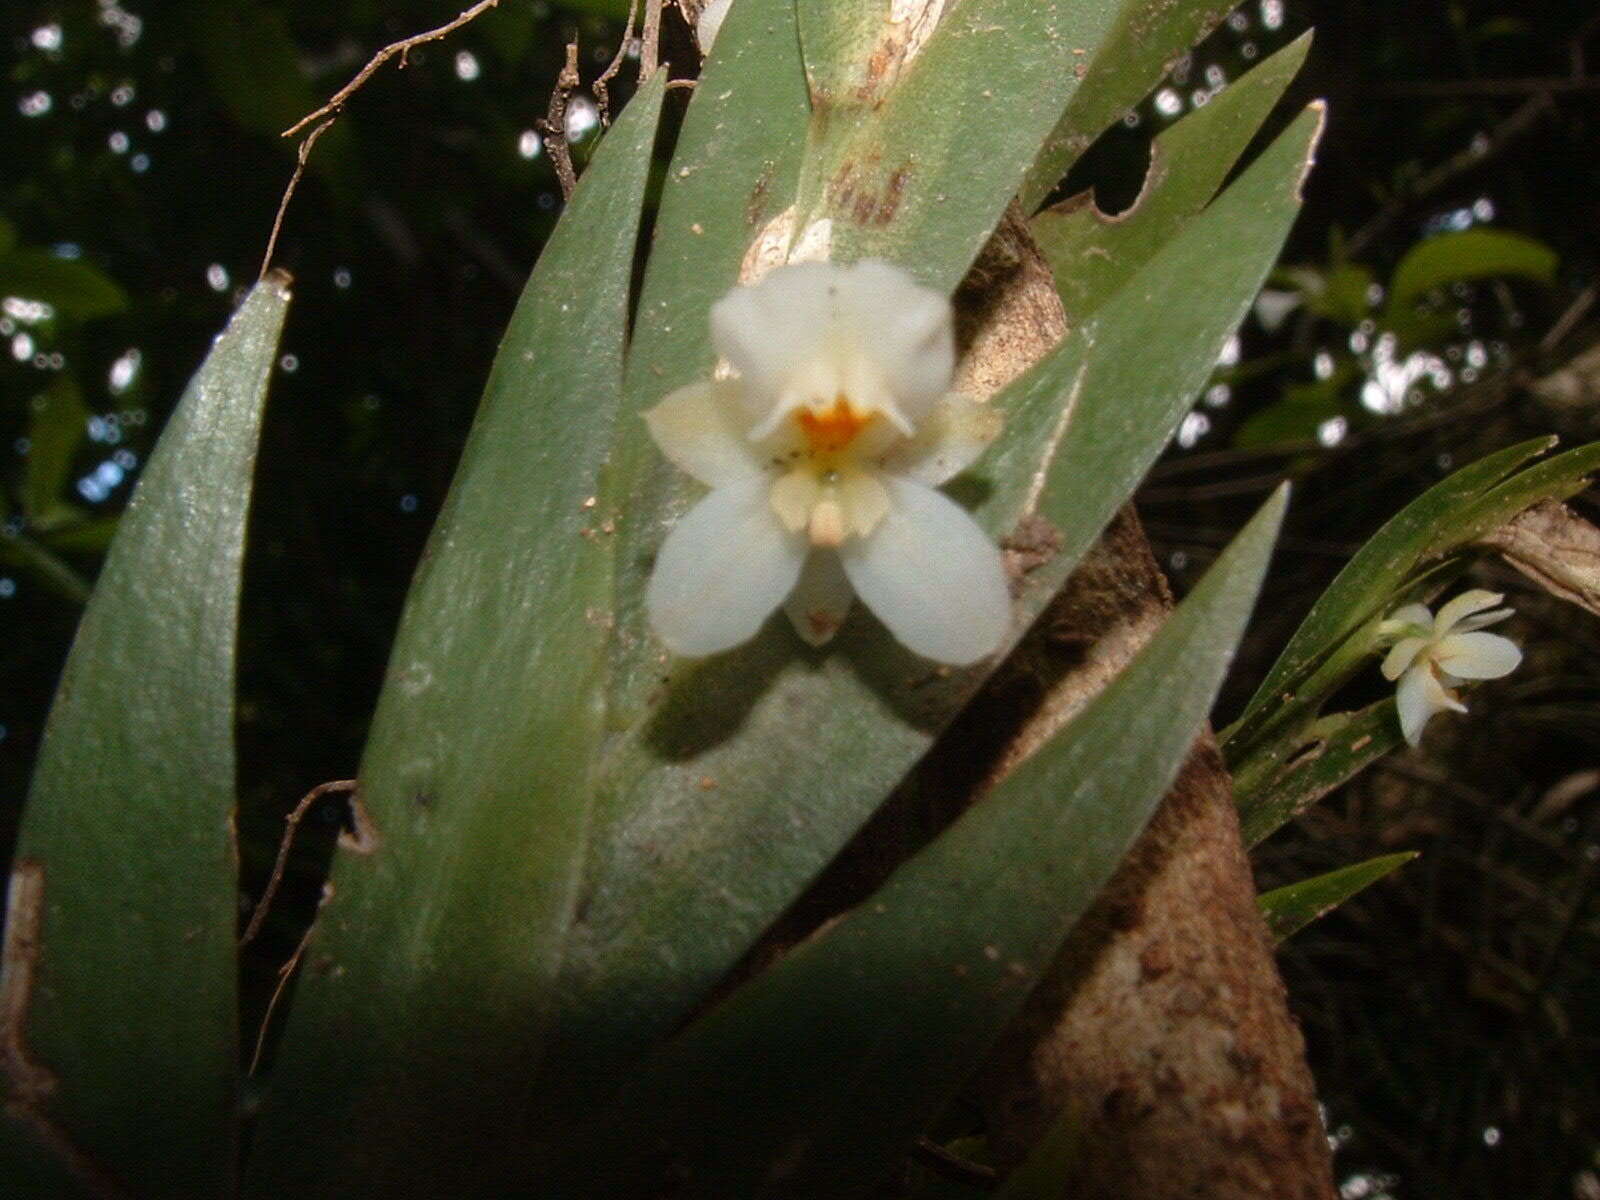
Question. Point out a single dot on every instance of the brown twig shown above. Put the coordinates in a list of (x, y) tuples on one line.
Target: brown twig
[(650, 50), (291, 824), (285, 973), (554, 124), (403, 47), (602, 93), (1479, 152), (301, 155), (953, 1166)]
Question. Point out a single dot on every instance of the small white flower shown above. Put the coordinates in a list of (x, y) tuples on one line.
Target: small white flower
[(1436, 654), (823, 453)]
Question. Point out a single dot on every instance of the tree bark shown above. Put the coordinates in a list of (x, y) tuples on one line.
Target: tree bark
[(1163, 1025)]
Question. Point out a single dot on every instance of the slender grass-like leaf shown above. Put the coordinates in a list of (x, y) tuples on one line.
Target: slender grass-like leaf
[(1093, 255), (1290, 909), (420, 1016), (1146, 40), (813, 1079), (118, 996), (1274, 787)]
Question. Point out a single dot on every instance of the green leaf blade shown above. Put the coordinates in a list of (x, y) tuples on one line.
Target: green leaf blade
[(404, 1064), (1463, 255), (1290, 909), (129, 826)]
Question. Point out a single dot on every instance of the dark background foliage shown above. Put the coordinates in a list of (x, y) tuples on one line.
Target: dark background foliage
[(1451, 1012)]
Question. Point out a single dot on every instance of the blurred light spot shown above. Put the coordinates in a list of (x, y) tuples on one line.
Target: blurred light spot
[(529, 143), (1238, 20), (155, 120), (1218, 395), (1215, 77), (126, 459), (408, 502), (1274, 305), (583, 116), (1230, 351), (1131, 118), (47, 37), (122, 96), (22, 347), (1181, 68), (118, 142), (107, 429), (128, 25), (28, 312), (290, 364), (1491, 1136), (124, 371), (1248, 51), (109, 474), (1477, 356), (1331, 432), (1322, 364), (1194, 427), (70, 251), (139, 163), (1168, 102), (1272, 13), (35, 104), (1199, 97), (1179, 560), (217, 277), (22, 445), (1483, 208), (1374, 294), (467, 68), (1359, 342), (8, 589), (341, 277)]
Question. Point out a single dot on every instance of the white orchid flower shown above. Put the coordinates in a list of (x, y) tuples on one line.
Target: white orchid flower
[(822, 454), (1436, 654)]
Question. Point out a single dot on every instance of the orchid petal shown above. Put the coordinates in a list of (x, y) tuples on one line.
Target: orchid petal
[(905, 328), (722, 570), (1464, 605), (932, 576), (1477, 655), (1481, 620), (701, 428), (775, 327), (1411, 702), (1402, 656), (1406, 620), (951, 437)]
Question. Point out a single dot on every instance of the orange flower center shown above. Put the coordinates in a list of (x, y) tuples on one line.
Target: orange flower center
[(832, 429)]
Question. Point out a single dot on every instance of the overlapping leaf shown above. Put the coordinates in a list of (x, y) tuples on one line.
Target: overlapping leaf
[(119, 986), (433, 963)]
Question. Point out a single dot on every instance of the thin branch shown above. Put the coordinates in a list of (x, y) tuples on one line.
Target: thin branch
[(555, 122), (602, 93), (285, 973), (650, 51), (291, 824), (301, 155), (1479, 152), (403, 47)]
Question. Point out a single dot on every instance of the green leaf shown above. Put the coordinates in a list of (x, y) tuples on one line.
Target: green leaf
[(1452, 514), (1277, 785), (780, 747), (1469, 254), (1092, 255), (873, 1025), (44, 565), (73, 288), (900, 181), (1290, 909), (1144, 41), (126, 1047), (404, 1065), (54, 435)]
